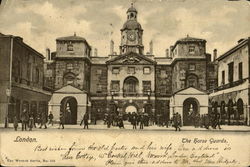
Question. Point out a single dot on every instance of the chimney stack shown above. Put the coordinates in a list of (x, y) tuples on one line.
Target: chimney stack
[(48, 56), (151, 47), (111, 47), (215, 54), (167, 53), (171, 51), (95, 52)]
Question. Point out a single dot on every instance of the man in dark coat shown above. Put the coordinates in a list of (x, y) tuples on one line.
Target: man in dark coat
[(85, 121), (24, 119), (177, 121), (43, 121), (141, 121), (133, 120), (206, 121), (15, 122), (109, 120), (50, 118)]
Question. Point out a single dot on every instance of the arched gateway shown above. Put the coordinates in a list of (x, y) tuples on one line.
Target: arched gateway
[(70, 101), (191, 107)]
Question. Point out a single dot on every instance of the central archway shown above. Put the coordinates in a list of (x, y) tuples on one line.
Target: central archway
[(191, 108), (130, 109), (69, 109)]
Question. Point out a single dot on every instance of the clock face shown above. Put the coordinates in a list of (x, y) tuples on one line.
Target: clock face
[(131, 36)]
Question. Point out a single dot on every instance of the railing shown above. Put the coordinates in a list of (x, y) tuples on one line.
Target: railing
[(229, 85)]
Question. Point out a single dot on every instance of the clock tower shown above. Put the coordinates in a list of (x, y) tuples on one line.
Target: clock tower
[(131, 33)]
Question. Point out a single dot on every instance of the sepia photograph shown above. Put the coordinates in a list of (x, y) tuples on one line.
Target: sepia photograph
[(124, 83)]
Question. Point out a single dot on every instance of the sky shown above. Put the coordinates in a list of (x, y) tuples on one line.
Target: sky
[(39, 22)]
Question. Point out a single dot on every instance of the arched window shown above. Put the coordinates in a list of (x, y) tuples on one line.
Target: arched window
[(69, 78), (240, 107), (130, 86), (192, 80)]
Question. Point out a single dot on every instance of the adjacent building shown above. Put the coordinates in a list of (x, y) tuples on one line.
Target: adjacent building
[(231, 97), (21, 79)]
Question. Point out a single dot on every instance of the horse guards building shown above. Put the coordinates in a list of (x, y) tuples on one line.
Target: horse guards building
[(75, 81)]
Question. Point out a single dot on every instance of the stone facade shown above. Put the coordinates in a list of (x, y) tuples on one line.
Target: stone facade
[(21, 79)]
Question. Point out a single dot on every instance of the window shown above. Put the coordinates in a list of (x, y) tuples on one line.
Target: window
[(70, 47), (131, 70), (240, 71), (99, 88), (163, 73), (211, 84), (99, 71), (146, 86), (69, 66), (231, 72), (192, 80), (115, 86), (191, 67), (115, 70), (222, 77), (146, 70), (37, 75), (191, 49)]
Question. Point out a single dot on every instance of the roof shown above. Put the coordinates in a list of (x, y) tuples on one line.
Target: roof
[(188, 39), (190, 91), (230, 51), (131, 25), (131, 9), (131, 54), (71, 38), (69, 89)]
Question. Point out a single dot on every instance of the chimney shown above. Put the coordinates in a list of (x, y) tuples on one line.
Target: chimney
[(215, 54), (95, 52), (171, 51), (239, 41), (151, 47), (48, 56), (111, 47), (167, 53)]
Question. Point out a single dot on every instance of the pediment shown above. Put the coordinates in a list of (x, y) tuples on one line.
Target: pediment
[(69, 89), (131, 58), (190, 91)]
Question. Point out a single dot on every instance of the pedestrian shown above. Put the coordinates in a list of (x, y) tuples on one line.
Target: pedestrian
[(51, 117), (120, 121), (24, 119), (218, 120), (177, 121), (206, 121), (15, 122), (43, 121), (109, 120), (133, 119), (85, 121), (38, 119), (31, 122), (62, 120), (141, 121)]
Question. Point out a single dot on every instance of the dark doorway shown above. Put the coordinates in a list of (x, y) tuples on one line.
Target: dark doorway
[(190, 111), (69, 109)]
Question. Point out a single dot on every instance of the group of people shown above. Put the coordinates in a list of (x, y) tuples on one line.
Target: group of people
[(212, 119), (28, 121), (113, 119)]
